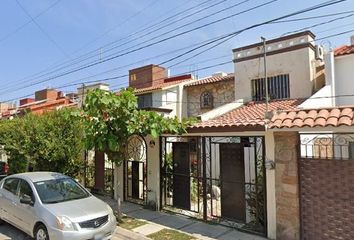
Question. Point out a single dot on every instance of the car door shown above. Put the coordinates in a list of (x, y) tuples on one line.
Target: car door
[(8, 199), (25, 213)]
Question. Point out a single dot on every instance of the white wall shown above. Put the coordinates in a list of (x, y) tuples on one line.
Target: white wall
[(296, 63), (153, 174), (299, 64), (344, 79), (270, 173)]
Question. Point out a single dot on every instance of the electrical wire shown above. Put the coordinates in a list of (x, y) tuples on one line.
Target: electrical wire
[(26, 79), (114, 56), (328, 3), (42, 30), (28, 22)]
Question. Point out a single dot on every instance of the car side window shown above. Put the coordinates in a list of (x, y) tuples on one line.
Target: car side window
[(25, 190), (11, 185)]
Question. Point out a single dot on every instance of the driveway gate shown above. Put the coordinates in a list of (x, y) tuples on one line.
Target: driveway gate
[(220, 179), (326, 168)]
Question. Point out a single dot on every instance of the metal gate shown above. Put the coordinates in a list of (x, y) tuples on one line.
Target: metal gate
[(220, 179), (135, 170), (326, 168)]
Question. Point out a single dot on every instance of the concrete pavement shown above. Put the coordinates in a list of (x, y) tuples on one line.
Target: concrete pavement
[(8, 232)]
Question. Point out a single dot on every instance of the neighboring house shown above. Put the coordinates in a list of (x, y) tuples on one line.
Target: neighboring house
[(339, 84), (159, 92), (210, 93), (45, 100), (156, 91), (217, 172)]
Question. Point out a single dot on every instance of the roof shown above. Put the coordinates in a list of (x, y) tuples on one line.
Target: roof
[(47, 105), (250, 115), (344, 50), (168, 82), (212, 79), (39, 176), (322, 117), (274, 40)]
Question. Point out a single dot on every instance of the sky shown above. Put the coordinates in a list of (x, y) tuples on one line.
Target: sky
[(50, 43)]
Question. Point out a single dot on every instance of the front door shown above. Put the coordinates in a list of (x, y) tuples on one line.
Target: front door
[(233, 203), (181, 176), (135, 180)]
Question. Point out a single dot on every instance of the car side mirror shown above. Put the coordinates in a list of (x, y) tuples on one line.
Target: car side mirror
[(26, 200)]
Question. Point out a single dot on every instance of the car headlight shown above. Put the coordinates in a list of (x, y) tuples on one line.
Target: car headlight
[(64, 224), (111, 214)]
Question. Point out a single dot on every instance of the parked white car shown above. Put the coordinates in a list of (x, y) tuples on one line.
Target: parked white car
[(53, 206)]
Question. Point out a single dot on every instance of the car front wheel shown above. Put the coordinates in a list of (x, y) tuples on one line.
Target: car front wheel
[(41, 233)]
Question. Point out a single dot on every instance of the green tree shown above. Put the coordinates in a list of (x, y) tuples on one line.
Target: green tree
[(49, 142), (109, 119)]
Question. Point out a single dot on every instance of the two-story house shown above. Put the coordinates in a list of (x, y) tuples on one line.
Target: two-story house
[(138, 179), (221, 164)]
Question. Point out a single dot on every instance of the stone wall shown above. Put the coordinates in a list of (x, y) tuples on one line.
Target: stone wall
[(223, 92), (287, 186)]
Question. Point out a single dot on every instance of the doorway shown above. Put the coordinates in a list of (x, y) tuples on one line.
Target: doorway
[(135, 170)]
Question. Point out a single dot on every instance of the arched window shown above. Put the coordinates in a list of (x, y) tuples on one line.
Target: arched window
[(206, 100)]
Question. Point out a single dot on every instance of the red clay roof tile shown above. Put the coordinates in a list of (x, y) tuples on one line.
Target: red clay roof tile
[(212, 79), (251, 114), (323, 117), (344, 50)]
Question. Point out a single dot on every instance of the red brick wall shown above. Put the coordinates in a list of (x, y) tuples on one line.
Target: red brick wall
[(146, 76), (49, 94)]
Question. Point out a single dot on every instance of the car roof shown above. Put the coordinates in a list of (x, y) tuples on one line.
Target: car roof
[(39, 176)]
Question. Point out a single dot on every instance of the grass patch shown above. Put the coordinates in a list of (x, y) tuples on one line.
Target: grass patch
[(130, 223), (169, 234)]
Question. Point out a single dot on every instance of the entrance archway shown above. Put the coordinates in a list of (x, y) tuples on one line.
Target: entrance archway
[(135, 170)]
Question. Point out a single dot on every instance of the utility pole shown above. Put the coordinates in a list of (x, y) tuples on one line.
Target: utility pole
[(265, 73)]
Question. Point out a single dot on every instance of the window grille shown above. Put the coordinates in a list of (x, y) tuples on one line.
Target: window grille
[(278, 88)]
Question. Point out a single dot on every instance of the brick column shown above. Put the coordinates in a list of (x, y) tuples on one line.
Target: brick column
[(287, 185)]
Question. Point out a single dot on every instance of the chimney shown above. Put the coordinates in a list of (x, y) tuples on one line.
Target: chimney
[(147, 76), (46, 94), (26, 101), (352, 40)]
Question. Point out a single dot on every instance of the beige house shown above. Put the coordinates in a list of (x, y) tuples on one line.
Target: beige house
[(247, 163)]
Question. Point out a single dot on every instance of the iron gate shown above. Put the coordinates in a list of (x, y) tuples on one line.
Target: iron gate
[(219, 179), (135, 170), (326, 168)]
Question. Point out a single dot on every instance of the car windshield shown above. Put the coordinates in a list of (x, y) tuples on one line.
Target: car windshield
[(60, 190)]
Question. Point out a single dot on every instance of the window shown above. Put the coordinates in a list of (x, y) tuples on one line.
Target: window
[(206, 100), (11, 185), (278, 88), (145, 100), (60, 190), (351, 150), (133, 77), (25, 190)]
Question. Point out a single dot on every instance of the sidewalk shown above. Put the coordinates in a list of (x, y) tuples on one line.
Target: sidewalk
[(157, 221)]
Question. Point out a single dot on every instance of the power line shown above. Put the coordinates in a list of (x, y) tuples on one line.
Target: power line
[(163, 34), (199, 69), (42, 30), (320, 24), (97, 49), (328, 3), (314, 17), (28, 22), (118, 25), (154, 43)]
